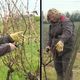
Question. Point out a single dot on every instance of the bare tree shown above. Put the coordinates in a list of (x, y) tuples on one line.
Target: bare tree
[(19, 60)]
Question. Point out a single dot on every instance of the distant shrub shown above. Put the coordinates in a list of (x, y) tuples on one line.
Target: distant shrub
[(37, 18)]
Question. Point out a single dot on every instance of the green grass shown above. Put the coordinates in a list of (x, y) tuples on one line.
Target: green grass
[(3, 75), (31, 54), (3, 71)]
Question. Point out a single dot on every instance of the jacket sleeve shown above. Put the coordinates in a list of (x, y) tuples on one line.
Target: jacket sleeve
[(49, 42), (6, 39), (67, 30), (4, 48)]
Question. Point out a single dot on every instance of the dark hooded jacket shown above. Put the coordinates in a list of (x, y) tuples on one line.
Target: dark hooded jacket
[(4, 46), (62, 30)]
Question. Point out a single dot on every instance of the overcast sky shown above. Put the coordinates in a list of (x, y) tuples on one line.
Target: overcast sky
[(61, 5), (31, 6)]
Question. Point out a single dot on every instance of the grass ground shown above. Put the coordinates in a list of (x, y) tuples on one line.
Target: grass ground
[(51, 73), (31, 52), (32, 55)]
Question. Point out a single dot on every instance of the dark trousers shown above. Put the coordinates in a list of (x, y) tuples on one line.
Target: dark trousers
[(61, 63)]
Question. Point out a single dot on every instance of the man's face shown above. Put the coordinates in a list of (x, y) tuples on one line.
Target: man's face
[(51, 18)]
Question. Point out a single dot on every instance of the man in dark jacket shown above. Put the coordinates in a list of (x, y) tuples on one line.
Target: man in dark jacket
[(61, 41), (8, 42)]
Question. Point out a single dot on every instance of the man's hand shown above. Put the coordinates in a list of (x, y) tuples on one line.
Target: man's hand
[(59, 46), (12, 46), (48, 48)]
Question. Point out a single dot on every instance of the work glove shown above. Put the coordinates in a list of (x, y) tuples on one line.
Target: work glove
[(17, 36), (59, 46), (47, 48)]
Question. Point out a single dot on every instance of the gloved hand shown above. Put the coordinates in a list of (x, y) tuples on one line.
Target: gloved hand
[(47, 48), (17, 36), (59, 46)]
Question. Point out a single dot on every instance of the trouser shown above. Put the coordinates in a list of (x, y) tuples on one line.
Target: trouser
[(61, 64)]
